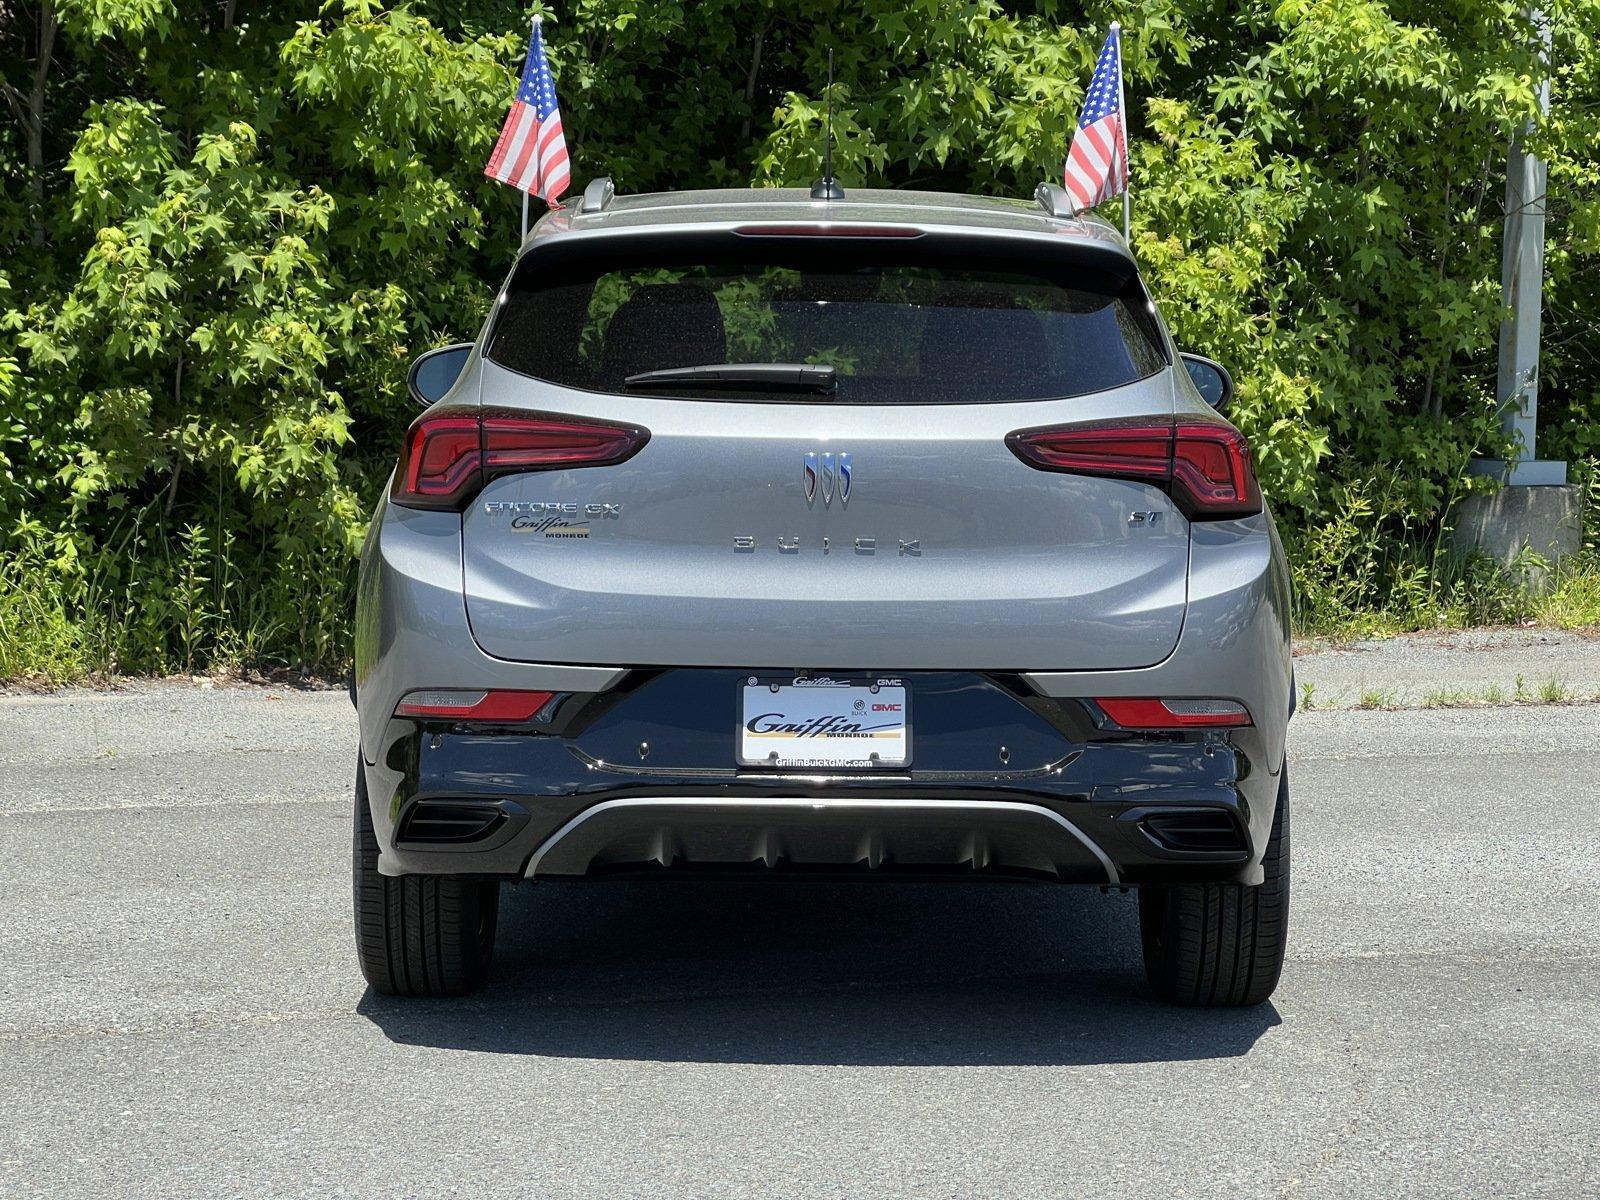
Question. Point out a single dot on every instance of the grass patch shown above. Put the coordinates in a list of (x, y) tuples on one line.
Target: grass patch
[(1370, 569), (182, 604), (1449, 595), (39, 640), (1554, 691), (1574, 600)]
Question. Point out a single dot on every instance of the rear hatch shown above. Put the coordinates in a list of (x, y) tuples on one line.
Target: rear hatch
[(867, 516)]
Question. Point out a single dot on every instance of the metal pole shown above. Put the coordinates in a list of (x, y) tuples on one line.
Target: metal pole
[(1537, 510), (1122, 110), (1521, 284), (537, 18)]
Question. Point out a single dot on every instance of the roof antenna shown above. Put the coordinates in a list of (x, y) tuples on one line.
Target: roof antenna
[(827, 188)]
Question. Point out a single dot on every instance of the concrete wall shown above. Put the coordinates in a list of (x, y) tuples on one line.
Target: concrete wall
[(1546, 520)]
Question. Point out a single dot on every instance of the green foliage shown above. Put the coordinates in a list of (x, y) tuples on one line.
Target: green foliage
[(39, 637), (1369, 570), (244, 222)]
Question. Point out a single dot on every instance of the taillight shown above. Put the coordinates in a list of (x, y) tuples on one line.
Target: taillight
[(1142, 713), (1211, 466), (495, 706), (450, 453), (1203, 465)]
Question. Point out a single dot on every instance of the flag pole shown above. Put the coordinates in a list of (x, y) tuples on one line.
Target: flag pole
[(533, 25), (1122, 109)]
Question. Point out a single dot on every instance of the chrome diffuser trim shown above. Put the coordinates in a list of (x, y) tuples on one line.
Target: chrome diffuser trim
[(862, 806)]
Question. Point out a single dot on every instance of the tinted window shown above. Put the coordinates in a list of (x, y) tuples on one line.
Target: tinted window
[(908, 329)]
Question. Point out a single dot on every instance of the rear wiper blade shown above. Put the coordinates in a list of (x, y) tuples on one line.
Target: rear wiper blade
[(783, 377)]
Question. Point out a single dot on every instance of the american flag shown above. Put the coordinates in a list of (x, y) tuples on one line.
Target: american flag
[(532, 151), (1097, 164)]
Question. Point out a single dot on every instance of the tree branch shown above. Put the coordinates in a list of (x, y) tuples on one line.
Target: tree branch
[(35, 121), (17, 102), (750, 80), (177, 459)]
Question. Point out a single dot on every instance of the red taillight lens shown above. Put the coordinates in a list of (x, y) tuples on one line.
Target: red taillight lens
[(1211, 466), (1126, 451), (450, 453), (441, 457), (1203, 465), (1141, 713), (497, 706)]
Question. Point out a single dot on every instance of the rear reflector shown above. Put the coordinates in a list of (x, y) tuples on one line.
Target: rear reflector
[(1204, 465), (450, 453), (497, 706), (1132, 713)]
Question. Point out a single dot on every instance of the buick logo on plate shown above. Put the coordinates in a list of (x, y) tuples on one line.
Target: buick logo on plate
[(828, 474)]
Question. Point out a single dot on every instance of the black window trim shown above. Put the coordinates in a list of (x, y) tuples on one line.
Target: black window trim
[(699, 242)]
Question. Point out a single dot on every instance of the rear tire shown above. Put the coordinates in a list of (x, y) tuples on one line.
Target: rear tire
[(418, 935), (1221, 944)]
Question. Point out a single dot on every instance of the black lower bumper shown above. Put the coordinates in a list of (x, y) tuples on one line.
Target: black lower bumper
[(827, 833), (641, 782)]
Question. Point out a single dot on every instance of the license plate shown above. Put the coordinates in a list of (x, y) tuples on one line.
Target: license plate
[(824, 722)]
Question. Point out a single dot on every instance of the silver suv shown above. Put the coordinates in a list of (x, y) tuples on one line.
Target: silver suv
[(765, 536)]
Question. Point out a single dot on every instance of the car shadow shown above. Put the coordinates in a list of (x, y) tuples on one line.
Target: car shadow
[(812, 973)]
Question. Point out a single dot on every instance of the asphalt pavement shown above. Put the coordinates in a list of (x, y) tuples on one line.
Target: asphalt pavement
[(180, 1011)]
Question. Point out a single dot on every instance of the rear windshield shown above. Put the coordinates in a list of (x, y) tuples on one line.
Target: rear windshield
[(898, 325)]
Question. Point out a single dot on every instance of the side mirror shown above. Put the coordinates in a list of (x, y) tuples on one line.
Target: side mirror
[(433, 374), (1211, 379)]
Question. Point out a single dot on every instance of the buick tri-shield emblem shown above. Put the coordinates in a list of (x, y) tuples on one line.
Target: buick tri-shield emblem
[(826, 473)]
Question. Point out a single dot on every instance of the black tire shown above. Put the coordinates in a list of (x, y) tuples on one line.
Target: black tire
[(1221, 944), (418, 935)]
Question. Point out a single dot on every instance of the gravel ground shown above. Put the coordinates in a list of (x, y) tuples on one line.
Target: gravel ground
[(1403, 671), (180, 1012)]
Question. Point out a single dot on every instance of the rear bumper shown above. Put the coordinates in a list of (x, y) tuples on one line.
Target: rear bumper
[(1067, 801), (642, 780)]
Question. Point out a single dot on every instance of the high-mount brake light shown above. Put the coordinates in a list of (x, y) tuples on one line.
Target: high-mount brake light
[(1204, 465), (1149, 713), (450, 453), (825, 229), (499, 706)]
